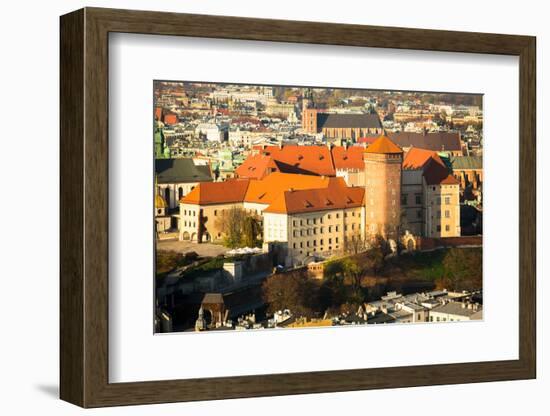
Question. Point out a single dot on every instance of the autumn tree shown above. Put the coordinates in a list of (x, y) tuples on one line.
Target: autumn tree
[(463, 269), (293, 291), (240, 229)]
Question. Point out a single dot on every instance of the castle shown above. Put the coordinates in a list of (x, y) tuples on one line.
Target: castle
[(317, 202)]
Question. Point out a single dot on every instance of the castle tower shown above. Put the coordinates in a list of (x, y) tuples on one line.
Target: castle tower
[(383, 160)]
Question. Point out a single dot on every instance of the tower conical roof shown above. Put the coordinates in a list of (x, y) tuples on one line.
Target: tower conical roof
[(383, 145)]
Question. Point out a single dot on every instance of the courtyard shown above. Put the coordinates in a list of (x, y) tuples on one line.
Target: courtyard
[(203, 250)]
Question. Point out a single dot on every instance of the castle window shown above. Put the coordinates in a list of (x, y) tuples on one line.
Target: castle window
[(447, 200), (447, 227), (418, 199)]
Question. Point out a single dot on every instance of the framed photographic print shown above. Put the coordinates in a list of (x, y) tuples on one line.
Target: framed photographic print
[(256, 207)]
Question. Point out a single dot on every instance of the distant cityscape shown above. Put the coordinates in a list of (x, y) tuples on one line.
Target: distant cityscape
[(290, 207)]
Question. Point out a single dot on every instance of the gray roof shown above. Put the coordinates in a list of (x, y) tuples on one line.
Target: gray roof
[(437, 142), (467, 162), (325, 120), (455, 308), (181, 171)]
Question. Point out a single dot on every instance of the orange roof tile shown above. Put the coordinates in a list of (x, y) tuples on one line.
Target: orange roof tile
[(350, 158), (256, 167), (383, 145), (308, 160), (209, 193), (335, 196), (416, 158), (265, 191)]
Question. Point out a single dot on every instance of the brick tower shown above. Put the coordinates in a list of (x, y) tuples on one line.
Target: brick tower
[(383, 161)]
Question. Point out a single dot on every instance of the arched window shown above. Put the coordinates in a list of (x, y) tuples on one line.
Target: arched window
[(180, 193), (167, 195)]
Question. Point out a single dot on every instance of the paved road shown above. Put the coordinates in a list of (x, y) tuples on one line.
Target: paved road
[(204, 249)]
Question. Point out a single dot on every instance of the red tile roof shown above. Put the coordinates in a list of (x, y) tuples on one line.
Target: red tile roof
[(209, 193), (158, 113), (383, 145), (308, 160), (265, 191), (170, 119), (336, 196), (350, 158), (416, 158), (256, 167)]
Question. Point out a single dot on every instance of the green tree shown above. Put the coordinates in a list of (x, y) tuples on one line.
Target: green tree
[(463, 268)]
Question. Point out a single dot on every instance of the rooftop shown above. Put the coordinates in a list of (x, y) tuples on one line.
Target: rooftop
[(209, 193), (383, 145), (308, 160), (335, 196), (430, 141), (348, 158), (181, 170), (327, 120), (467, 162), (417, 158), (456, 308)]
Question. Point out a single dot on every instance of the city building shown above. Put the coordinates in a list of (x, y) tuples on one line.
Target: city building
[(469, 171), (430, 197), (456, 311), (442, 206), (175, 178), (332, 197), (340, 126), (315, 223), (202, 209)]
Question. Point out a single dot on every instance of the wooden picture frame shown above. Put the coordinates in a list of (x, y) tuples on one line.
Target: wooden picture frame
[(84, 207)]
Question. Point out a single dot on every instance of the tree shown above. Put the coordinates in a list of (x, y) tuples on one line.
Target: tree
[(239, 228), (293, 291), (251, 231), (463, 268), (355, 243)]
